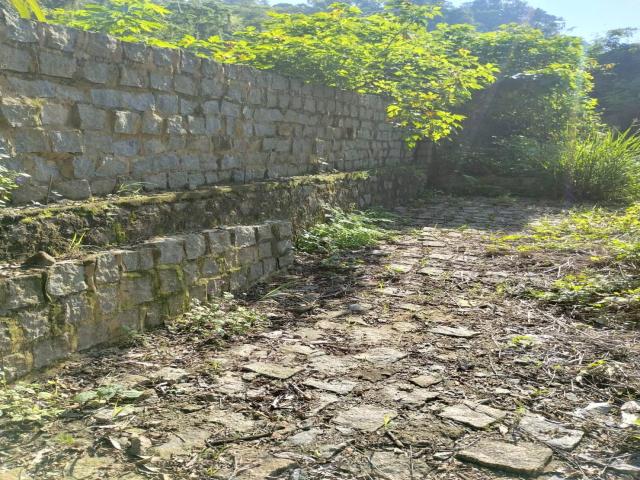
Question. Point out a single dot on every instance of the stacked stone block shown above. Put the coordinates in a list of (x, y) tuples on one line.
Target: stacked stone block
[(46, 314), (84, 113)]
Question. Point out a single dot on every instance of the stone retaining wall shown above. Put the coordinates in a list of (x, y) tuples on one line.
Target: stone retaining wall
[(46, 314), (83, 114), (128, 220)]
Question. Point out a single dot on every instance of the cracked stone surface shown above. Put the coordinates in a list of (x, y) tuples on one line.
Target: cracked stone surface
[(364, 417), (477, 416), (273, 370), (400, 360), (527, 458), (552, 433)]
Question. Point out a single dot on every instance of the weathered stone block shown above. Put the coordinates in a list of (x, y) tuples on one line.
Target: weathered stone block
[(104, 186), (76, 309), (161, 81), (18, 114), (138, 101), (107, 267), (107, 299), (106, 98), (96, 72), (167, 162), (209, 267), (218, 240), (127, 148), (196, 125), (50, 350), (104, 46), (137, 260), (14, 59), (247, 255), (152, 123), (136, 288), (55, 114), (255, 272), (151, 315), (269, 266), (91, 118), (175, 125), (188, 107), (185, 84), (264, 250), (282, 247), (169, 250), (167, 104), (28, 140), (282, 229), (65, 278), (170, 280), (74, 189), (189, 63), (34, 323), (111, 166), (230, 109), (244, 236), (264, 232), (126, 122), (125, 323), (194, 245), (133, 77), (18, 29), (66, 141), (190, 272), (56, 65), (136, 52), (178, 180)]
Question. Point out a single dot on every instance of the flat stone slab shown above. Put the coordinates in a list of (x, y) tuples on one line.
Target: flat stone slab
[(182, 443), (341, 387), (230, 383), (270, 467), (404, 394), (367, 418), (431, 271), (426, 380), (332, 364), (381, 355), (400, 267), (170, 375), (459, 332), (477, 416), (524, 457), (551, 433), (273, 370)]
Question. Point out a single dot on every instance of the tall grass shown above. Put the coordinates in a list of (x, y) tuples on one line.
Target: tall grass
[(602, 165), (346, 231)]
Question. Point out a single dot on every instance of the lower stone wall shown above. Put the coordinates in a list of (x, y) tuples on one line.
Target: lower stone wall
[(46, 314), (127, 220)]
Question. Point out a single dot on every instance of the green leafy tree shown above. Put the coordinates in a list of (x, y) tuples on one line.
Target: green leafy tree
[(27, 9), (133, 20), (390, 53)]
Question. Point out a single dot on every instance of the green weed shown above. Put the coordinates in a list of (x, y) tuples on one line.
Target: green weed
[(346, 231), (218, 320), (29, 402)]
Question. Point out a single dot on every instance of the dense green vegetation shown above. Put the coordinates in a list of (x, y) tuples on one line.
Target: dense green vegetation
[(607, 285), (346, 231)]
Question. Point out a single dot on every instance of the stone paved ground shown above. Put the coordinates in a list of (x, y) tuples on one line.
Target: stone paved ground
[(400, 363)]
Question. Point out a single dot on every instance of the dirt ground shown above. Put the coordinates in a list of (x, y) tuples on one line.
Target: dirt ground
[(407, 361)]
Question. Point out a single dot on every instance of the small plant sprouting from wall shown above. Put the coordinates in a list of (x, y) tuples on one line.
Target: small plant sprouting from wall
[(9, 179)]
